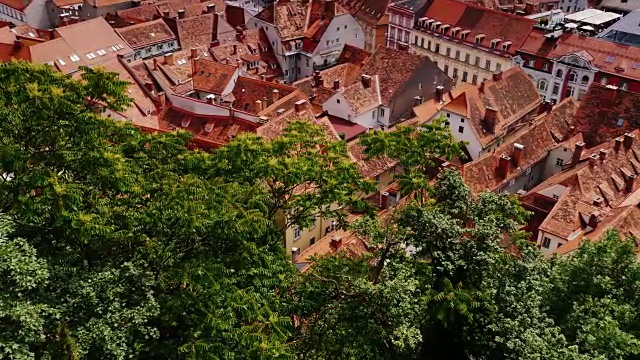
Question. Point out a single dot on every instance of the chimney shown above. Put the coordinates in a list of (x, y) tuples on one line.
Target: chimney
[(168, 59), (593, 160), (490, 117), (166, 14), (234, 49), (211, 99), (440, 94), (503, 165), (628, 183), (259, 105), (17, 44), (593, 219), (275, 95), (577, 152), (317, 79), (336, 243), (150, 86), (214, 43), (497, 76), (182, 14), (603, 154), (155, 63), (294, 252), (545, 107), (162, 99), (298, 106), (417, 100), (617, 144), (628, 140), (336, 85), (366, 81), (211, 8), (194, 53), (384, 200), (481, 87), (516, 155)]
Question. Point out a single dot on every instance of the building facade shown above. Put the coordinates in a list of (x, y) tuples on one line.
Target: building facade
[(403, 16), (25, 12)]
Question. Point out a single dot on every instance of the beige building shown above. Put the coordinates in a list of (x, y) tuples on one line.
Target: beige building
[(469, 50)]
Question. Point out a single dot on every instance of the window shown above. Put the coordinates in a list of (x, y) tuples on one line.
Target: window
[(437, 49), (373, 114), (531, 62), (461, 129), (422, 43), (462, 120), (286, 73), (338, 101), (455, 73), (624, 85), (573, 77), (512, 182), (416, 40), (307, 62), (528, 171), (546, 242), (467, 58), (420, 86), (297, 233), (498, 67), (620, 122), (545, 66), (448, 115), (448, 52), (559, 162), (381, 112), (603, 80), (464, 76), (568, 92), (446, 69), (487, 65), (559, 74), (457, 54), (542, 85), (556, 197), (477, 62), (406, 37), (556, 89), (585, 80), (474, 79)]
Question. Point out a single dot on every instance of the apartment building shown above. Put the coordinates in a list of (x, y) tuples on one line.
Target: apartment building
[(468, 42), (403, 16), (149, 39)]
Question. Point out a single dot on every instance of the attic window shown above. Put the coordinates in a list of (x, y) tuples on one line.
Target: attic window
[(494, 43), (620, 122), (443, 28), (610, 59), (479, 38), (463, 34), (506, 45)]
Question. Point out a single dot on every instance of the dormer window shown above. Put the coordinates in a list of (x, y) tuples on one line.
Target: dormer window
[(479, 38), (463, 34), (443, 28), (454, 32), (494, 43), (506, 45)]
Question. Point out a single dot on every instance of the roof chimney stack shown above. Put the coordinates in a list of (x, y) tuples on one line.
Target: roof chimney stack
[(182, 14), (417, 100), (168, 59), (336, 243), (490, 118), (275, 94), (294, 254), (162, 99), (593, 220), (194, 53), (603, 154), (150, 86), (366, 81), (497, 76), (298, 106), (336, 85), (440, 94), (593, 160), (628, 140), (628, 183), (259, 105), (577, 152), (516, 155), (617, 144), (211, 8), (503, 165), (17, 44), (166, 14)]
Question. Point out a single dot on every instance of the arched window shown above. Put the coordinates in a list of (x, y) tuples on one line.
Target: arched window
[(559, 74), (585, 80), (542, 85), (572, 77)]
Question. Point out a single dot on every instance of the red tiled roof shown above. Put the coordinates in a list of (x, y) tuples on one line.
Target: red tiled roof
[(195, 31), (602, 109), (353, 55), (16, 4), (145, 34), (372, 11), (289, 18), (369, 167), (246, 91), (484, 174), (350, 244), (10, 52), (361, 98), (211, 76), (350, 129), (479, 20), (561, 120)]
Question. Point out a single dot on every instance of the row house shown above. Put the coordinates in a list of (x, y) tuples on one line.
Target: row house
[(372, 17), (403, 17), (149, 39), (307, 35), (468, 42), (484, 116), (530, 156), (566, 64), (380, 91)]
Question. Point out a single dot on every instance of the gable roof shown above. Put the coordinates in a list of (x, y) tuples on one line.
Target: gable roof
[(561, 119), (10, 52), (247, 90), (211, 76), (484, 173), (368, 167), (373, 11), (480, 20), (16, 4), (145, 34), (195, 31), (602, 109), (289, 17), (361, 98)]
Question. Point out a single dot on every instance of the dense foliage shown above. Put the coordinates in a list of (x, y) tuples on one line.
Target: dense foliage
[(118, 244)]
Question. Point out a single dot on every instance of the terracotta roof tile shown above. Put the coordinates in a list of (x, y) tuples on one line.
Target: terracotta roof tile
[(372, 11), (602, 109), (480, 20), (369, 168), (349, 243), (105, 3), (350, 129), (561, 120), (361, 98), (484, 174), (289, 18), (353, 55), (211, 76), (145, 34), (9, 52), (246, 91), (195, 31)]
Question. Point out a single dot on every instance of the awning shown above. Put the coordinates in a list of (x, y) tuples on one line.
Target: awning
[(571, 25)]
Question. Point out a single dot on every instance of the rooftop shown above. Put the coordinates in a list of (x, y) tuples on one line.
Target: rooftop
[(212, 77), (142, 35), (247, 91), (622, 5), (363, 95), (369, 168), (481, 23), (624, 31), (196, 31), (372, 11), (16, 4), (289, 17)]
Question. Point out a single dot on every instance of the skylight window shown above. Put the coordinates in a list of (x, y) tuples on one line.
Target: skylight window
[(636, 65), (101, 52), (609, 58), (62, 62), (74, 58), (91, 56)]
